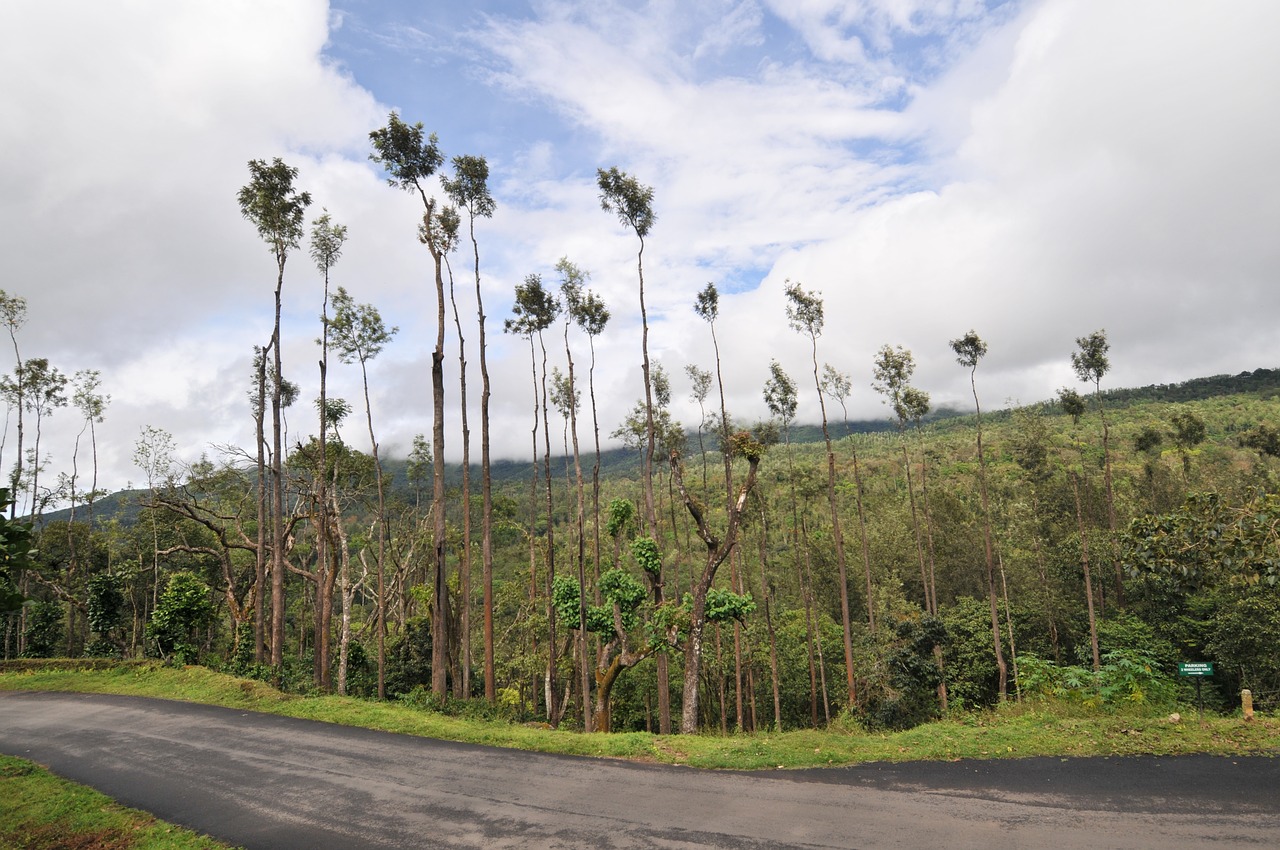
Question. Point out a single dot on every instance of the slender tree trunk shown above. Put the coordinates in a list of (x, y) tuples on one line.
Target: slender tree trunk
[(838, 540), (277, 490), (987, 548), (1088, 577), (466, 497), (260, 573), (441, 639)]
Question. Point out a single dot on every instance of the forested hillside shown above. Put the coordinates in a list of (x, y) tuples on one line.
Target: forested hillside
[(718, 575)]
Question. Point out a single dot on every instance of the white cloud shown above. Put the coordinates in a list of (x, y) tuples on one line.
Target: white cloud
[(1058, 167)]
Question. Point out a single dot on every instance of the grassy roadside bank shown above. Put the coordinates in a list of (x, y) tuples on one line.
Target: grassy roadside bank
[(39, 811), (1029, 729)]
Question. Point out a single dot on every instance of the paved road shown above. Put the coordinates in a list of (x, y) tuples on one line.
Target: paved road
[(273, 782)]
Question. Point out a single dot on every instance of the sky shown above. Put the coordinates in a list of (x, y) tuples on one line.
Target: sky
[(1033, 170)]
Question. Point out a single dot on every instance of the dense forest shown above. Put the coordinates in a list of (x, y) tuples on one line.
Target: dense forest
[(715, 576)]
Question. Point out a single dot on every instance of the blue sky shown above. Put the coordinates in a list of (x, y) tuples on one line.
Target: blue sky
[(1034, 170)]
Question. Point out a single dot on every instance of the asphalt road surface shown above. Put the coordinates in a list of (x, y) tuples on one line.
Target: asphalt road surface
[(272, 782)]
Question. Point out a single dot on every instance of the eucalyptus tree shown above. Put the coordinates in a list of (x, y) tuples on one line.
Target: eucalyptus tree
[(277, 210), (838, 385), (591, 315), (969, 350), (469, 190), (410, 158), (535, 310), (92, 404), (699, 389), (572, 281), (327, 239), (632, 202), (780, 398), (42, 389), (359, 335), (1091, 364), (13, 314), (1073, 405), (707, 305), (805, 315), (893, 369)]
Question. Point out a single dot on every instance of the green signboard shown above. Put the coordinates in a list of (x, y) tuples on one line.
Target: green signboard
[(1195, 668)]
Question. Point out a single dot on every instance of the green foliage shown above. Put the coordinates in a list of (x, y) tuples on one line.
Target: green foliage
[(408, 658), (421, 698), (1208, 540), (1128, 679), (45, 630), (105, 612), (182, 612), (903, 692), (271, 204), (628, 198), (645, 552), (405, 153), (15, 553), (724, 605)]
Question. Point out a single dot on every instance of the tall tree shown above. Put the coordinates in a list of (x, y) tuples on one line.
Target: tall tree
[(1091, 364), (410, 158), (42, 389), (893, 369), (359, 335), (573, 293), (780, 398), (271, 203), (535, 309), (969, 350), (707, 306), (805, 314), (327, 239), (632, 202), (469, 190), (591, 315), (1073, 405), (13, 314)]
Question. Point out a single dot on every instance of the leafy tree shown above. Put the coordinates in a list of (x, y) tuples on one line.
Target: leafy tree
[(1188, 432), (276, 209), (410, 159), (13, 314), (183, 611), (893, 370), (805, 314), (1091, 364), (707, 306), (632, 202), (535, 309), (1073, 405), (969, 350), (359, 335)]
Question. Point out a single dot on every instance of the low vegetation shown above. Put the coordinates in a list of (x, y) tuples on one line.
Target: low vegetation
[(1035, 727), (39, 811)]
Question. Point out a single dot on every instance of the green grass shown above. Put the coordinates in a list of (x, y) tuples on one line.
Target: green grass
[(39, 811), (1031, 729)]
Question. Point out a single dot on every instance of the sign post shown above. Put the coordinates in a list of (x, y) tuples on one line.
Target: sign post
[(1197, 670)]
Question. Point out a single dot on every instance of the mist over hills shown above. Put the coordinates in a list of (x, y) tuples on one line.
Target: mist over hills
[(122, 506)]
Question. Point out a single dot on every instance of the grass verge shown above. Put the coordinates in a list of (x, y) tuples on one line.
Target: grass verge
[(1012, 731), (39, 811)]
